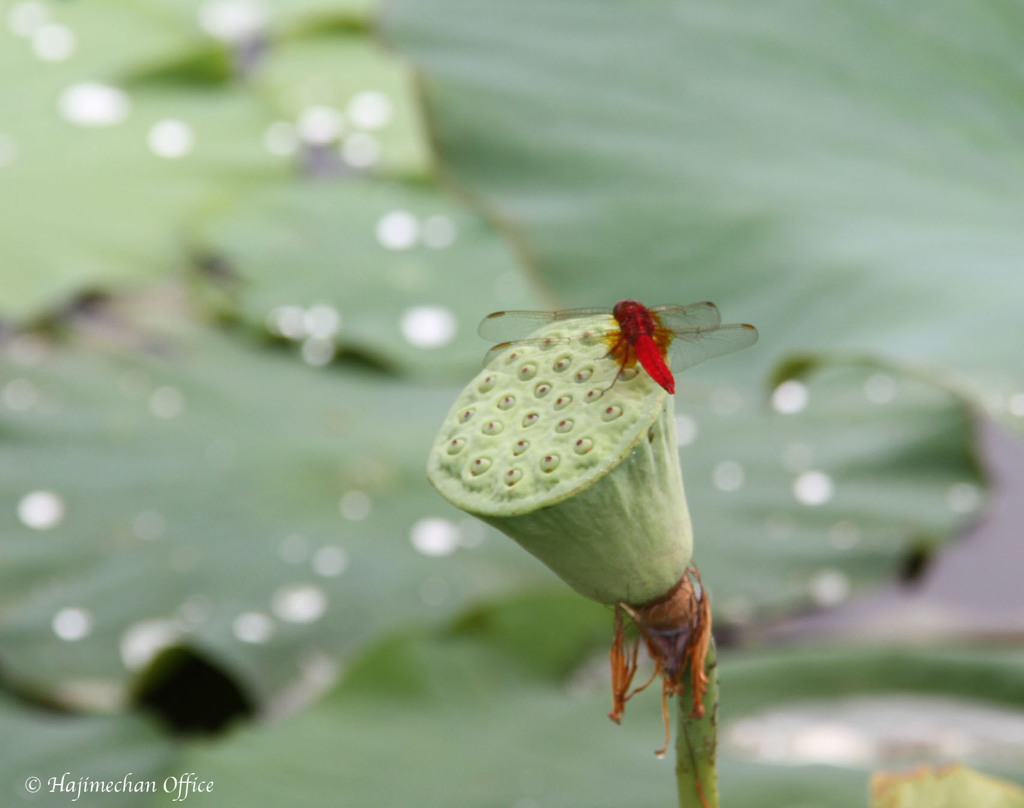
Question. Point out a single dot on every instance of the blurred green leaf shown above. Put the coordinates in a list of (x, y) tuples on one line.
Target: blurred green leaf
[(44, 745), (469, 719), (844, 176), (86, 198), (830, 489), (351, 73), (409, 272), (185, 489)]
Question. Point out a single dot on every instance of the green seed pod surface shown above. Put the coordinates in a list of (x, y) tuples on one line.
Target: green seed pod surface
[(575, 462)]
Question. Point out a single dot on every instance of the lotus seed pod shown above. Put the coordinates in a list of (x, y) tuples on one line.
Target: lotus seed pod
[(577, 463)]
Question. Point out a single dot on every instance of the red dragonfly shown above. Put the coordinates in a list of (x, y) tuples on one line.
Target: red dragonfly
[(662, 339)]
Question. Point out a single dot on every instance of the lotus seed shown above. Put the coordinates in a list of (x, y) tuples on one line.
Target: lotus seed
[(512, 476), (564, 426), (527, 372), (492, 427), (480, 465), (549, 463), (562, 402), (592, 396), (562, 364), (487, 384), (583, 445), (611, 413), (456, 445), (520, 447), (584, 375), (626, 374), (507, 403), (542, 390), (466, 415), (531, 419)]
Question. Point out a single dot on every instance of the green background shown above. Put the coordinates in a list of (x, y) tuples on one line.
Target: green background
[(245, 543)]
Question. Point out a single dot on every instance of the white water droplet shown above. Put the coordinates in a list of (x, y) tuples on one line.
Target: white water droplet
[(288, 322), (428, 326), (318, 351), (253, 627), (196, 609), (369, 109), (330, 561), (790, 397), (281, 139), (880, 388), (830, 588), (355, 506), (728, 476), (686, 430), (73, 623), (1016, 405), (25, 18), (20, 394), (41, 510), (149, 525), (438, 231), (8, 150), (93, 104), (321, 320), (963, 497), (299, 603), (144, 640), (166, 402), (813, 488), (320, 125), (171, 139), (398, 230), (435, 536), (232, 20), (360, 150), (53, 42)]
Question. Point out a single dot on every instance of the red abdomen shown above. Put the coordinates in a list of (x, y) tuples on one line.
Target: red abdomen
[(642, 340)]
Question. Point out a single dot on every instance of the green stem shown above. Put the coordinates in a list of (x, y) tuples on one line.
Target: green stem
[(696, 744)]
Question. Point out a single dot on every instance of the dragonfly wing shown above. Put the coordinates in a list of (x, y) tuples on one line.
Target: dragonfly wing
[(505, 326), (689, 348), (692, 315)]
